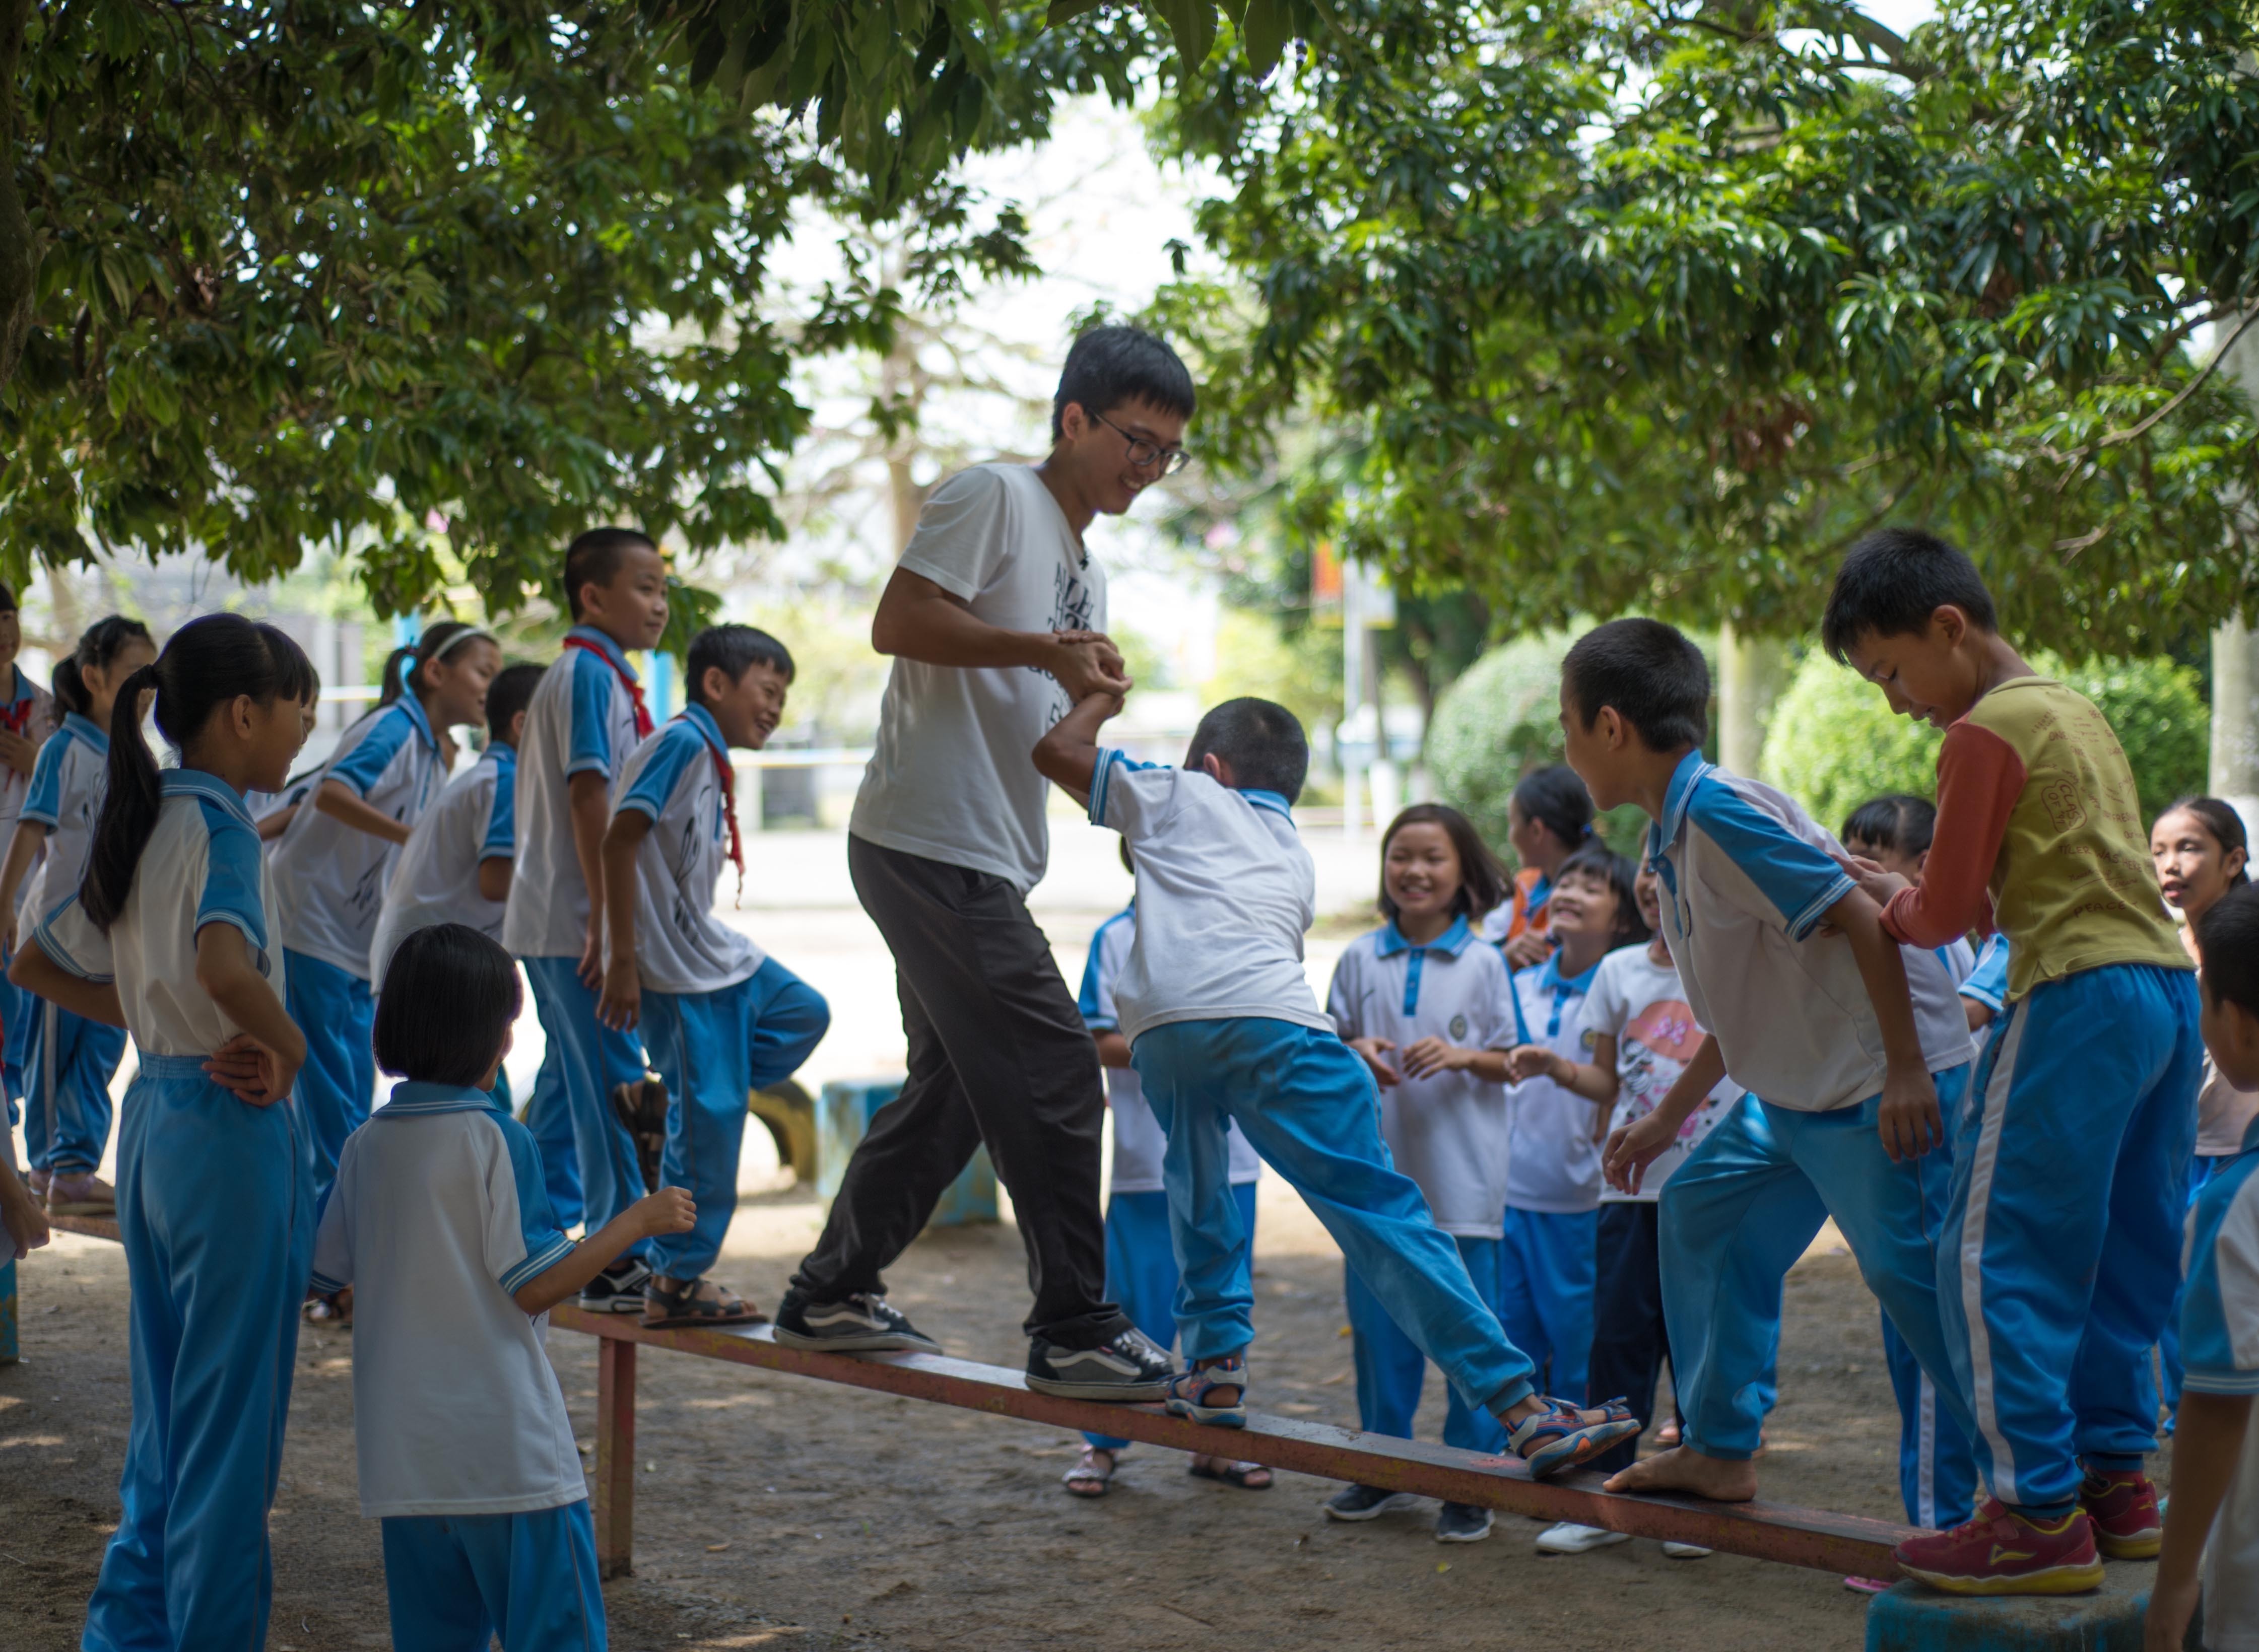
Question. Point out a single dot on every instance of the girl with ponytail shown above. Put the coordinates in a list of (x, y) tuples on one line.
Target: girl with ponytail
[(333, 860), (68, 1060), (171, 936)]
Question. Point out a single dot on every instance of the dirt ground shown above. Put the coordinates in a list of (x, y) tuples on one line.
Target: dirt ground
[(775, 1511)]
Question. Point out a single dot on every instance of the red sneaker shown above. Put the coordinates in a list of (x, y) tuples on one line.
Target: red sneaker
[(2001, 1553), (2122, 1509)]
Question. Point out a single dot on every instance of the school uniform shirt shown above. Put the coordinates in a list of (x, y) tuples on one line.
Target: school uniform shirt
[(1225, 892), (68, 783), (949, 777), (331, 876), (1139, 1144), (439, 1214), (29, 711), (1748, 878), (1640, 1004), (2219, 1355), (584, 718), (436, 878), (1553, 1147), (201, 866), (1987, 980), (1448, 1132), (678, 780)]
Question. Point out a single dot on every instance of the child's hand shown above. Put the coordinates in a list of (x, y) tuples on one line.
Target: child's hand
[(1432, 1056), (2171, 1605), (1878, 884), (669, 1210), (1525, 1062), (23, 1224), (621, 999), (1372, 1048), (592, 951), (1631, 1150), (255, 1073), (1527, 949), (1908, 1119)]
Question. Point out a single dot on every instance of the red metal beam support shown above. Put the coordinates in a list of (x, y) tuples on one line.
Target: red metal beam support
[(1844, 1544), (616, 1426)]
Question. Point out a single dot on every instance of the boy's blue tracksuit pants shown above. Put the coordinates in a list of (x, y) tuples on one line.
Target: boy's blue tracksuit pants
[(2168, 1340), (1547, 1267), (1307, 1105), (455, 1581), (15, 1030), (336, 1011), (1390, 1369), (68, 1067), (591, 1060), (216, 1207), (713, 1050), (2062, 1248), (1141, 1269), (548, 1119), (1738, 1215), (1937, 1466)]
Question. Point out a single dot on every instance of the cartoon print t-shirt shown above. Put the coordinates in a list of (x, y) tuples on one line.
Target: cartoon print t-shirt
[(1642, 1004)]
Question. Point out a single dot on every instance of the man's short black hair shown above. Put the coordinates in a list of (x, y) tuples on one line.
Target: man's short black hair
[(594, 557), (734, 650), (2227, 939), (508, 694), (1261, 740), (449, 997), (1899, 822), (1656, 678), (1892, 580), (1109, 365)]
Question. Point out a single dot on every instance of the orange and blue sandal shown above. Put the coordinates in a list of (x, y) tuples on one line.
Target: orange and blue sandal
[(1558, 1438), (2001, 1552), (1191, 1393)]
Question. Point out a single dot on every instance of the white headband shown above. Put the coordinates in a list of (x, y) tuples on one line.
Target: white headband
[(457, 640)]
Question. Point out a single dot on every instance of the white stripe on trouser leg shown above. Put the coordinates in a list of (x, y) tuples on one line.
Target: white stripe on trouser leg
[(1972, 1251), (1925, 1470), (47, 1076)]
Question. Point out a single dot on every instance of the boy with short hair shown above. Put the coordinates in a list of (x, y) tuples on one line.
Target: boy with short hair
[(721, 1018), (1847, 1040), (584, 719), (1223, 1027), (2061, 1252), (2215, 1449)]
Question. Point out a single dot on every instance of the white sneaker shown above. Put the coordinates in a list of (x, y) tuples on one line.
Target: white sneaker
[(1685, 1551), (1569, 1538)]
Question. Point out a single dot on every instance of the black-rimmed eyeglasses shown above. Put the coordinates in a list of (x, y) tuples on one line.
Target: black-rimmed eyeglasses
[(1145, 455)]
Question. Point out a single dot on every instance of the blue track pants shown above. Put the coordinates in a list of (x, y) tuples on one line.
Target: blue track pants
[(1937, 1466), (456, 1582), (550, 1119), (334, 1009), (1390, 1369), (67, 1068), (591, 1059), (2062, 1248), (713, 1050), (15, 1030), (1546, 1270), (216, 1207)]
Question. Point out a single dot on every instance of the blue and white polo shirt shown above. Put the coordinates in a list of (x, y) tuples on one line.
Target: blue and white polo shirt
[(673, 780), (436, 878), (68, 783), (2219, 1355)]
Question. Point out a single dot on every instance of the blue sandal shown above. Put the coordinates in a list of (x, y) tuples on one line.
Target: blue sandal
[(1558, 1438), (1189, 1391)]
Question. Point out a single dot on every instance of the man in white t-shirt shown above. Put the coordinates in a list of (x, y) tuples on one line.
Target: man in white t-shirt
[(995, 618)]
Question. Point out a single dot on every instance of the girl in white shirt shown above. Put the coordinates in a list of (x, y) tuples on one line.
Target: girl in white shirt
[(171, 936)]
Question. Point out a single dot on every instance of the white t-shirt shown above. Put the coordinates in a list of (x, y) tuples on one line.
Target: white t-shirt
[(949, 777), (1225, 891), (439, 1214), (1640, 1004), (675, 781), (1139, 1144), (331, 876), (582, 719), (68, 783), (1553, 1164), (200, 866), (1449, 1132), (437, 880)]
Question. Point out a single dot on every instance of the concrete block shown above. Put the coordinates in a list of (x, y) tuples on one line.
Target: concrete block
[(1910, 1617), (843, 1112)]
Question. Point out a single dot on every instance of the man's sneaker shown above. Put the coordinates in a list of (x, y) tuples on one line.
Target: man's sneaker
[(83, 1194), (1127, 1369), (2122, 1508), (2003, 1553), (1569, 1538), (857, 1324), (1365, 1503), (618, 1289), (1462, 1523)]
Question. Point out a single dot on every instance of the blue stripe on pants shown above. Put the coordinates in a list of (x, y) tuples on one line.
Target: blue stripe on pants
[(215, 1208), (551, 1123), (1546, 1271), (1937, 1466), (591, 1059), (1738, 1215), (454, 1582), (1391, 1371), (2061, 1256), (713, 1049), (68, 1065), (333, 1008), (1141, 1267), (1307, 1104)]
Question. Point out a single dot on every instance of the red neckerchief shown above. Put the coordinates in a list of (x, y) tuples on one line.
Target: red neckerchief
[(16, 718), (635, 689), (728, 778)]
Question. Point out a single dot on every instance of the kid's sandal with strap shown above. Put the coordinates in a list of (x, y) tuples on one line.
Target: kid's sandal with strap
[(1086, 1479), (1558, 1438), (1189, 1391), (671, 1305)]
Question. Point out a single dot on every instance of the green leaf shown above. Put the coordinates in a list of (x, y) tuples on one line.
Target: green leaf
[(1192, 26), (1061, 11), (1267, 27)]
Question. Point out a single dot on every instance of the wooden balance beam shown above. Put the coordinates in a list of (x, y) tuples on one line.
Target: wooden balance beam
[(1844, 1544)]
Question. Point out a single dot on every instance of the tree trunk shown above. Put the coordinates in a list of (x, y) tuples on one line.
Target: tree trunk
[(19, 263), (2235, 661), (1752, 672)]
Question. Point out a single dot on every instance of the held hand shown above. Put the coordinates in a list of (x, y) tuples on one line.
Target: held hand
[(18, 752), (1527, 949), (23, 1224), (1088, 666), (1631, 1150), (621, 1001), (1908, 1119), (591, 971), (1525, 1061), (256, 1074), (669, 1210), (1372, 1049), (1877, 884), (2171, 1605), (1432, 1056)]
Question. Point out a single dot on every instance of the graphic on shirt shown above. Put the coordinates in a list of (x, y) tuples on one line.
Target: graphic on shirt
[(1074, 606), (1657, 1045)]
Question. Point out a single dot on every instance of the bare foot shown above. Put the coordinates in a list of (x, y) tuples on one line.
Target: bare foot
[(1686, 1469)]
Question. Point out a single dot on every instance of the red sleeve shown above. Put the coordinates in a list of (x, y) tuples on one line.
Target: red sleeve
[(1980, 777)]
